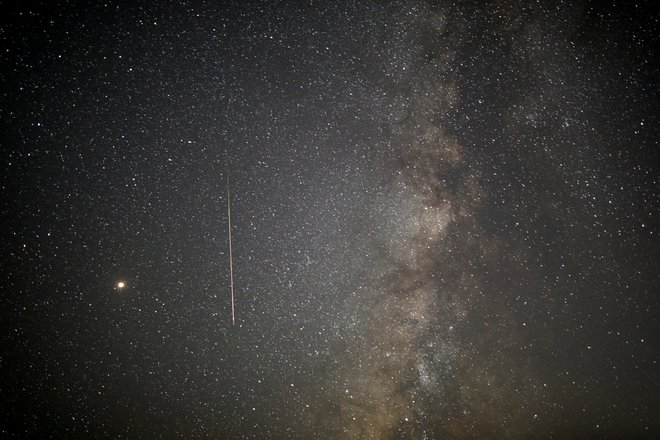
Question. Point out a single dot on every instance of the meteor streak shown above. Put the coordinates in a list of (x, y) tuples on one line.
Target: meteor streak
[(231, 256)]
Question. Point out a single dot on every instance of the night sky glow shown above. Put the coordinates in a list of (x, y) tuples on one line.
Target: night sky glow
[(443, 220)]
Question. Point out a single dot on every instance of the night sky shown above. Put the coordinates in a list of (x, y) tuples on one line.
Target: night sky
[(444, 219)]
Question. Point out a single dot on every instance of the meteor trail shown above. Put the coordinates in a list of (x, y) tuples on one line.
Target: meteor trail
[(231, 256)]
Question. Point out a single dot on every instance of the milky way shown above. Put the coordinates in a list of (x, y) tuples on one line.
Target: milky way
[(409, 369), (442, 217)]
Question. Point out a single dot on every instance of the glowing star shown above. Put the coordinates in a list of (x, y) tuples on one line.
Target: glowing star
[(121, 285)]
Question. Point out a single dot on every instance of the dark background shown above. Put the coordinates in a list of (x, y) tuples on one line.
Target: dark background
[(444, 219)]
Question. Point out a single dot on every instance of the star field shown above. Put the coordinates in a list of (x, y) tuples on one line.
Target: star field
[(443, 220)]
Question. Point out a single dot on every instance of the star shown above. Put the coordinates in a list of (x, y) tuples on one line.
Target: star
[(121, 285)]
